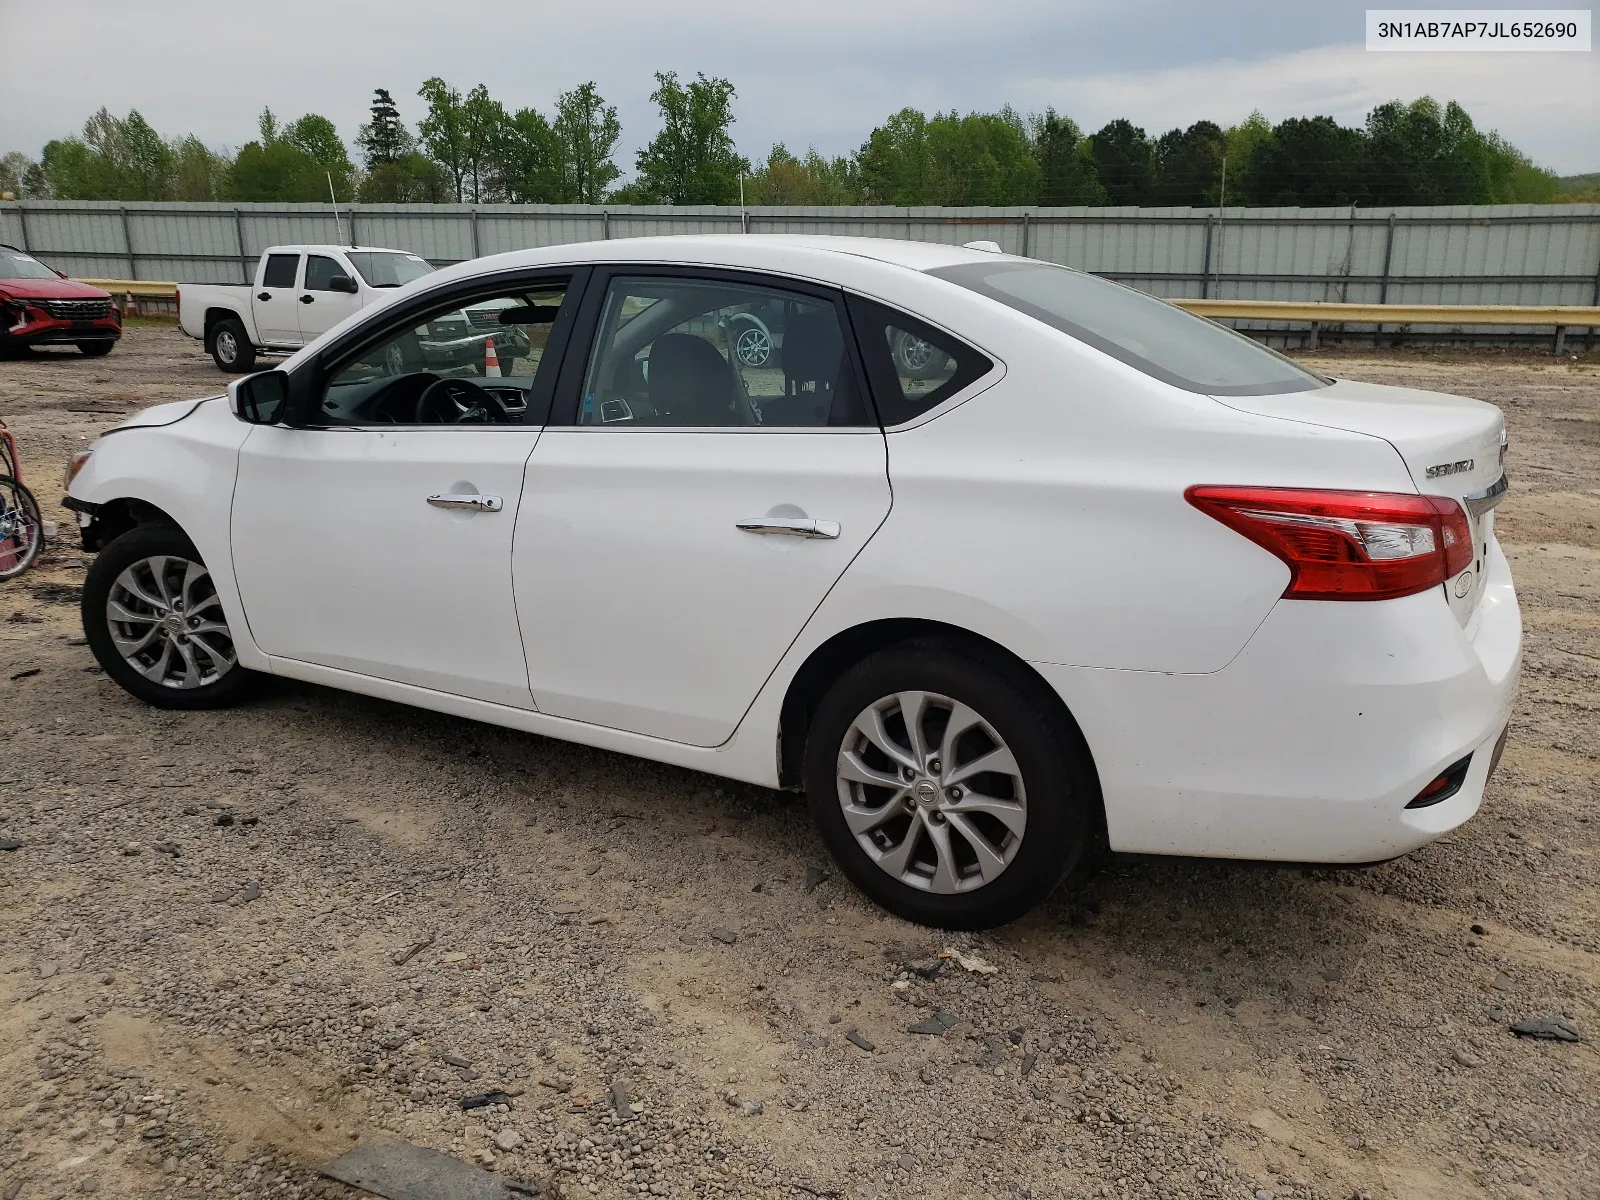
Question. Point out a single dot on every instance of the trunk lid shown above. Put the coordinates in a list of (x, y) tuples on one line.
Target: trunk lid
[(1451, 445)]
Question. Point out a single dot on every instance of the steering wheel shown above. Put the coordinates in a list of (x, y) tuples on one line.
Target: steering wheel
[(460, 402)]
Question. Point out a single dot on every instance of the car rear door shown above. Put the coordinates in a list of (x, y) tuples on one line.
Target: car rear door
[(274, 300), (688, 509)]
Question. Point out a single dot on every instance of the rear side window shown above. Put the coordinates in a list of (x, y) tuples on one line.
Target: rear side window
[(280, 270), (1148, 334), (319, 270), (913, 367)]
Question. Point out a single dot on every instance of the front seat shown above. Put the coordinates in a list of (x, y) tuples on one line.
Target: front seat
[(691, 383)]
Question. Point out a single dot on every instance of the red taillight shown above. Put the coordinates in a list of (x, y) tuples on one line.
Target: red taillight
[(1347, 545)]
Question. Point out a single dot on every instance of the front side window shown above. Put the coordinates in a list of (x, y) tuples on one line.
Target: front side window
[(387, 268), (319, 270), (280, 272), (1151, 335), (14, 264), (477, 364), (702, 353)]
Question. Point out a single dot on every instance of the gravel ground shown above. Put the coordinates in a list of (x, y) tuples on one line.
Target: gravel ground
[(234, 944)]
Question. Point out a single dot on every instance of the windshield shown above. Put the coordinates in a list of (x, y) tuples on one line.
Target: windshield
[(386, 270), (1151, 335), (14, 264)]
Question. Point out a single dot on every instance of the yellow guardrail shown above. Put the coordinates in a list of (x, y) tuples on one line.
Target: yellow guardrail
[(1329, 313), (1570, 316), (156, 288)]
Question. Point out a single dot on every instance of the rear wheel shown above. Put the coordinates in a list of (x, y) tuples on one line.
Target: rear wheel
[(153, 619), (948, 785), (95, 349), (230, 346)]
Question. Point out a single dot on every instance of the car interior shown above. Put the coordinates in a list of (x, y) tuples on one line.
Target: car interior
[(696, 353), (474, 365)]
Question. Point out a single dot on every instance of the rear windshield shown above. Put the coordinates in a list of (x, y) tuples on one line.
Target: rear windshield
[(14, 264), (389, 270), (1149, 334)]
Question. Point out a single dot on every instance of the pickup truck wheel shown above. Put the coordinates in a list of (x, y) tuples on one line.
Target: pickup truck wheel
[(153, 619), (230, 347)]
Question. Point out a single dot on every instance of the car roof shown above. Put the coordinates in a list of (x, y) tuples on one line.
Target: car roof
[(819, 255)]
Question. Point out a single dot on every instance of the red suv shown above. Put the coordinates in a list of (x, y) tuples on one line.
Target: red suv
[(41, 307)]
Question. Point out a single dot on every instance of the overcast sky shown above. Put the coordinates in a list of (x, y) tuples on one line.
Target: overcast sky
[(816, 72)]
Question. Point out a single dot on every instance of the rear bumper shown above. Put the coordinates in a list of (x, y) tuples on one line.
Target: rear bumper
[(1310, 744)]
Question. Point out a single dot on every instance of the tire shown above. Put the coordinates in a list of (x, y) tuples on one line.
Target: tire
[(230, 347), (21, 528), (139, 575), (1032, 845), (95, 349)]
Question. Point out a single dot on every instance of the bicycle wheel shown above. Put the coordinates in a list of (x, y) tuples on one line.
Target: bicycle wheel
[(21, 529)]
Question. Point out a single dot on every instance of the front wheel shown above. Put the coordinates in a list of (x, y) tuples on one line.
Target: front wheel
[(21, 528), (231, 348), (950, 787), (154, 621)]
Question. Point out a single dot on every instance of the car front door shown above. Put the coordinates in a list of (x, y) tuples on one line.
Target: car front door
[(274, 301), (376, 538), (698, 494), (320, 307)]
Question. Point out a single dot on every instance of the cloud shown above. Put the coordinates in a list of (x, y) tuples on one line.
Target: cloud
[(822, 73)]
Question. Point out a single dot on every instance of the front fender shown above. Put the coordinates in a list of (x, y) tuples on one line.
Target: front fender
[(186, 471)]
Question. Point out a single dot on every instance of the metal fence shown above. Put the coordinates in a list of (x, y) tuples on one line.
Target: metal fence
[(1510, 254)]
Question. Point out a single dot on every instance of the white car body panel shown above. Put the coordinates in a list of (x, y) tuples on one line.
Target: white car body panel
[(643, 606), (351, 568), (1041, 508)]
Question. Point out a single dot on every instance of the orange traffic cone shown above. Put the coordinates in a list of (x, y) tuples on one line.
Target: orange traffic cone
[(491, 360)]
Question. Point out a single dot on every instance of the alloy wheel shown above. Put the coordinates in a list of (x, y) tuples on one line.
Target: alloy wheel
[(753, 347), (227, 346), (931, 792), (166, 621)]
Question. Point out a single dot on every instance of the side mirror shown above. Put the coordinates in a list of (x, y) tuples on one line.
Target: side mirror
[(61, 273), (343, 283), (259, 399)]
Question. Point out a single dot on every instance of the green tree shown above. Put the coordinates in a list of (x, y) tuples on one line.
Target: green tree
[(1311, 161), (444, 131), (291, 163), (412, 178), (981, 159), (484, 125), (588, 131), (1188, 165), (785, 179), (384, 138), (1240, 143), (893, 162), (200, 173), (16, 169), (115, 158), (1067, 171), (692, 160), (1122, 154), (528, 162)]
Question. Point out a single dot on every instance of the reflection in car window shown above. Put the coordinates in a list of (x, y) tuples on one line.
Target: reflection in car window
[(281, 269), (497, 343), (1151, 335), (14, 264), (388, 269), (320, 269), (708, 354)]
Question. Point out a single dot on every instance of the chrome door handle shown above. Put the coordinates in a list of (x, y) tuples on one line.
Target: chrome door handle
[(792, 526), (467, 501)]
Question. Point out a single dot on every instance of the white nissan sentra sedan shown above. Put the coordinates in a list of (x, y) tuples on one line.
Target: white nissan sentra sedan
[(997, 560)]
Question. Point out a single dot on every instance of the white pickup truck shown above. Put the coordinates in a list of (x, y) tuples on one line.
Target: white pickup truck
[(300, 292)]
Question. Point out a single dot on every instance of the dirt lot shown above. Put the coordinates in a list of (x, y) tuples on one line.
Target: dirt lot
[(196, 1008)]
